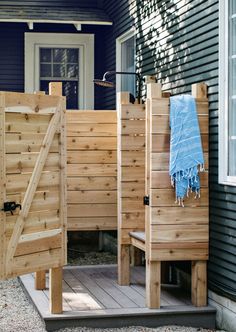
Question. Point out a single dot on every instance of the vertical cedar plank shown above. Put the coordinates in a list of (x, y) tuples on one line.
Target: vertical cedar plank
[(123, 250), (2, 186), (153, 284), (199, 268), (136, 256), (55, 290), (55, 285), (199, 283), (40, 276), (199, 90), (40, 280), (124, 264), (153, 92), (153, 268), (55, 88)]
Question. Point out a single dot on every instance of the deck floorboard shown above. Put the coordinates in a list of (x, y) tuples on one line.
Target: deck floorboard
[(92, 298)]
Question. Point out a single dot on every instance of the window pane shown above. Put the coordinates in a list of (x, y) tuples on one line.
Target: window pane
[(45, 55), (128, 64), (45, 70), (72, 71), (60, 55), (72, 55), (59, 71)]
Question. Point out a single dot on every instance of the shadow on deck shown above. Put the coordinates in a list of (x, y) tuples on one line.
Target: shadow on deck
[(92, 298)]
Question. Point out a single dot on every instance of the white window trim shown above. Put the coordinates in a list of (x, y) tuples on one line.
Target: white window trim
[(127, 35), (223, 95), (85, 42)]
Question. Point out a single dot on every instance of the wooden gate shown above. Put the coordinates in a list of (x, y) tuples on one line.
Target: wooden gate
[(32, 175)]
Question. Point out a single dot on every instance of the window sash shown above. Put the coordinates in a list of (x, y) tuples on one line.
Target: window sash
[(121, 80), (226, 151)]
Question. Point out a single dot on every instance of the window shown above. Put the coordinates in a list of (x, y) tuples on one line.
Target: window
[(125, 61), (227, 93), (61, 58)]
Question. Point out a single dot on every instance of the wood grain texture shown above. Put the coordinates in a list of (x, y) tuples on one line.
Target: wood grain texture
[(91, 170), (35, 235)]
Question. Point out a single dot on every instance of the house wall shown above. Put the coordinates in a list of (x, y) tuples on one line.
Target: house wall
[(178, 40), (12, 52)]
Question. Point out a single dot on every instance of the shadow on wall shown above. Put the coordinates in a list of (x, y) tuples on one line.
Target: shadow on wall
[(168, 37)]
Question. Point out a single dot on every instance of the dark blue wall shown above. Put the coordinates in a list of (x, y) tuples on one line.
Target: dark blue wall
[(12, 52)]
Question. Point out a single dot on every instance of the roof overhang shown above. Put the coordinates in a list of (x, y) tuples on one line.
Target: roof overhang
[(56, 15)]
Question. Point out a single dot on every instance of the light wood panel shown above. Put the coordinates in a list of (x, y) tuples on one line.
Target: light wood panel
[(131, 168), (91, 170), (34, 237), (174, 232)]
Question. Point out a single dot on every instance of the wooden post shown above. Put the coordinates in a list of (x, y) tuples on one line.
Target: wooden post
[(150, 79), (40, 276), (55, 88), (154, 90), (153, 268), (199, 268), (124, 264), (199, 90), (153, 284), (55, 290), (123, 249), (199, 283), (40, 280), (136, 256), (55, 274)]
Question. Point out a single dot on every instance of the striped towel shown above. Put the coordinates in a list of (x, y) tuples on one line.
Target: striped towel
[(186, 156)]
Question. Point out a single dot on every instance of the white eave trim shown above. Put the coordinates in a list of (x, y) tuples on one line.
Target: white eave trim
[(75, 23)]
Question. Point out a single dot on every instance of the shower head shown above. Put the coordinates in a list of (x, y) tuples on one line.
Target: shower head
[(108, 84), (104, 83)]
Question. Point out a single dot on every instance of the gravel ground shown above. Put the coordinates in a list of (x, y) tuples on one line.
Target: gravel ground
[(18, 315), (91, 258)]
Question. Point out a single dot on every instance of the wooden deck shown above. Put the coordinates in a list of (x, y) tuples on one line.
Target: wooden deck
[(92, 298)]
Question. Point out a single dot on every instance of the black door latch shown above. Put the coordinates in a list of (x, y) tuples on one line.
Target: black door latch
[(10, 207), (146, 200)]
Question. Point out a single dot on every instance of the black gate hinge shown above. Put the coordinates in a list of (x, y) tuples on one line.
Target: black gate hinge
[(146, 200), (10, 207)]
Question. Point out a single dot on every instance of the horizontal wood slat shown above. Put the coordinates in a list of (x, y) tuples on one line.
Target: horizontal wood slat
[(161, 142), (161, 124), (91, 143), (24, 162), (161, 179), (90, 117), (160, 161), (92, 210), (18, 143), (166, 197), (92, 223), (92, 183)]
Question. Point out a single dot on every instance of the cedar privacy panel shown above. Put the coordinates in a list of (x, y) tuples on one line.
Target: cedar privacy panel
[(131, 168), (172, 232), (32, 167), (92, 170)]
